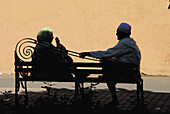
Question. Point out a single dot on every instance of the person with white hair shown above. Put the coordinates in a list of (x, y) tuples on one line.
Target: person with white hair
[(126, 51), (46, 57)]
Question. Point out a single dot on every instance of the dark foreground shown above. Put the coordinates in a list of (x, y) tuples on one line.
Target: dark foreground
[(96, 101)]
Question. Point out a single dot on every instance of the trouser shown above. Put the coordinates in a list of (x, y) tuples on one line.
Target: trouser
[(112, 88), (110, 84)]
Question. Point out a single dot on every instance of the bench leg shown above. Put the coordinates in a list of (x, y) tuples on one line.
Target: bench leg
[(142, 96), (17, 87), (26, 94), (24, 86), (82, 88), (79, 87), (76, 89), (138, 89)]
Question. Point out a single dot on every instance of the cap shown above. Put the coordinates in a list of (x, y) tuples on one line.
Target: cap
[(125, 28)]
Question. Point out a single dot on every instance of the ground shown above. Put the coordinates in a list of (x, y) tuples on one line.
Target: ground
[(99, 101)]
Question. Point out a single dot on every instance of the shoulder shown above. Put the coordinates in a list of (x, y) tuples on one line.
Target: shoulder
[(127, 40), (123, 41)]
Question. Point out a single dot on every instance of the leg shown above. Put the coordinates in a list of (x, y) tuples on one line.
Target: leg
[(110, 84), (112, 88)]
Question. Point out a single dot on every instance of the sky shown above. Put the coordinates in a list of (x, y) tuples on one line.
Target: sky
[(89, 25)]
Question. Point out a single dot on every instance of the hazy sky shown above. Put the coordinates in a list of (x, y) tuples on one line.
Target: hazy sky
[(89, 25)]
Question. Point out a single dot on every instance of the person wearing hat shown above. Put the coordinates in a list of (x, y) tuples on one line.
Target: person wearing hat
[(126, 51)]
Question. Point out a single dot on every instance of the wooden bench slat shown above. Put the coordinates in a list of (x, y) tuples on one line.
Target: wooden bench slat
[(24, 63), (23, 70), (84, 64)]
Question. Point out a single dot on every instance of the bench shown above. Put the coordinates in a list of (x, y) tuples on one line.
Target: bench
[(24, 67)]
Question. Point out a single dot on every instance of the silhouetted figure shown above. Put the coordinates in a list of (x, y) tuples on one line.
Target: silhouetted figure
[(46, 57), (126, 51)]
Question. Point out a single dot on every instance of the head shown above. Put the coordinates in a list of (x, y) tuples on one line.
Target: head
[(124, 30), (45, 35)]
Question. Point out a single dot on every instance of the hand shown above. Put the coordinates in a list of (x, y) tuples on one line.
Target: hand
[(57, 40), (84, 54)]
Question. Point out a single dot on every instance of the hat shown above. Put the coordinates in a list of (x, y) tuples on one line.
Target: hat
[(125, 28)]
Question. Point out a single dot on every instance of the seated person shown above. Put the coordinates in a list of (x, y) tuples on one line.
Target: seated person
[(125, 51), (46, 57)]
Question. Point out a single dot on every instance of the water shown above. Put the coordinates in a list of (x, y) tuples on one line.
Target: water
[(154, 84)]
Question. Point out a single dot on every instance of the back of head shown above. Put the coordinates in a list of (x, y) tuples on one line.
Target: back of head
[(124, 30), (45, 35)]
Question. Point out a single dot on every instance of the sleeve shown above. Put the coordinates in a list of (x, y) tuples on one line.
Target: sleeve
[(115, 51)]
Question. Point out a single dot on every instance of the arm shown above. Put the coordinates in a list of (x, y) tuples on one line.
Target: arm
[(103, 54), (120, 49), (115, 51)]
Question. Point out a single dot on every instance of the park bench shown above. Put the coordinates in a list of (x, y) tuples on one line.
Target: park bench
[(129, 73)]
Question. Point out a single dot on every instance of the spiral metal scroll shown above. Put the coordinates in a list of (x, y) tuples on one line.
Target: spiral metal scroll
[(25, 48)]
